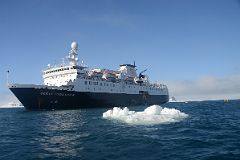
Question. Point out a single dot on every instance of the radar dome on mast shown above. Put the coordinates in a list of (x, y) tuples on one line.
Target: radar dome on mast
[(73, 60), (74, 45)]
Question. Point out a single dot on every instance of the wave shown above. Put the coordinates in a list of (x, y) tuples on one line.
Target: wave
[(152, 115)]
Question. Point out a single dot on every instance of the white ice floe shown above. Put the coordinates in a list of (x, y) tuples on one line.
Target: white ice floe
[(154, 114)]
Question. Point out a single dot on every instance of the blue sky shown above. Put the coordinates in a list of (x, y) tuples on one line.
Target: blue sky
[(175, 40)]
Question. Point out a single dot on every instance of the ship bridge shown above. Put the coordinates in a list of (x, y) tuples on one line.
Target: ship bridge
[(63, 74), (127, 71)]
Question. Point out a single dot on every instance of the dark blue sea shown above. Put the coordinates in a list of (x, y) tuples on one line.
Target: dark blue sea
[(211, 131)]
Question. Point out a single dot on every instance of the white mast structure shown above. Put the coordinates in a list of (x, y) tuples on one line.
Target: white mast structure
[(73, 60), (62, 75)]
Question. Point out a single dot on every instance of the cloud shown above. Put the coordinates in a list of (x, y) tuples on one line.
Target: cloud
[(206, 88), (6, 98)]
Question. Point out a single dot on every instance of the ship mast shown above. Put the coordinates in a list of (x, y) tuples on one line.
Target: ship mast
[(7, 77), (73, 60)]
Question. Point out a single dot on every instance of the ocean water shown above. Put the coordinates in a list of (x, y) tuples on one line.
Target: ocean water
[(194, 130)]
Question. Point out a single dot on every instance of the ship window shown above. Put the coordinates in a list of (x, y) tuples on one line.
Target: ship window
[(86, 82), (100, 84)]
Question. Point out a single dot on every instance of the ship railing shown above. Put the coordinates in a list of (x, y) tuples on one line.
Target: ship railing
[(96, 78), (113, 80), (157, 85), (78, 67)]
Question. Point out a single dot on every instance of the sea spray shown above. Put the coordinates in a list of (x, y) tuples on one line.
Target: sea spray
[(152, 115)]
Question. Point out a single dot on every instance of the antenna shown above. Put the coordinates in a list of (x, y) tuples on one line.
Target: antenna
[(83, 63), (63, 61), (7, 77)]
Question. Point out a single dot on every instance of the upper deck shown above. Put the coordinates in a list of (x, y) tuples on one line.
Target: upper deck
[(124, 80)]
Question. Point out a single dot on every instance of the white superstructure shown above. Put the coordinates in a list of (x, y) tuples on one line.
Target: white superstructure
[(63, 74), (79, 78)]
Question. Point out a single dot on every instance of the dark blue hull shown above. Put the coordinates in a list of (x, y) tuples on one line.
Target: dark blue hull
[(48, 99)]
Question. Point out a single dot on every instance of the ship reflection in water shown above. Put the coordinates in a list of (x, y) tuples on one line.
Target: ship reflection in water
[(58, 133)]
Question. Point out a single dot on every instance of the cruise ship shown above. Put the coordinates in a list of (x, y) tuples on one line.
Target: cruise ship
[(73, 86)]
